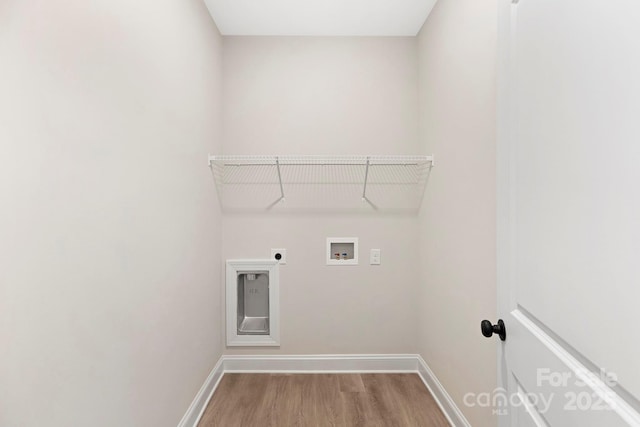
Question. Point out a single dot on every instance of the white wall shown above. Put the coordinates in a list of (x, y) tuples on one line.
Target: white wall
[(457, 48), (320, 95), (305, 95), (109, 227)]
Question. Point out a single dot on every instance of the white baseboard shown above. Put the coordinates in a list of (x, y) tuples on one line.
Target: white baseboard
[(446, 403), (338, 363), (195, 411), (326, 363)]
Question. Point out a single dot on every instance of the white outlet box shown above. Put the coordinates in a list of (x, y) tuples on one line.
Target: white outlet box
[(283, 255), (374, 257)]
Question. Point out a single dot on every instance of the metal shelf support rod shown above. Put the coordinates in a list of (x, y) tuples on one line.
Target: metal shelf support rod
[(280, 179), (366, 177)]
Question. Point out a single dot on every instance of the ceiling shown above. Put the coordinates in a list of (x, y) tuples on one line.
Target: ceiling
[(319, 17)]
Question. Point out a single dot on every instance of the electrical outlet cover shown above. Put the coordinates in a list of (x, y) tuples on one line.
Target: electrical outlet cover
[(283, 255), (374, 257)]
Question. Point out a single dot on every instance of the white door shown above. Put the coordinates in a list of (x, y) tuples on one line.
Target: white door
[(569, 212)]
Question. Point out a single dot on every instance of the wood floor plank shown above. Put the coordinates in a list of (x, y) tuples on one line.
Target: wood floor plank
[(322, 400), (325, 400), (356, 407), (382, 399), (239, 398), (351, 383), (284, 402)]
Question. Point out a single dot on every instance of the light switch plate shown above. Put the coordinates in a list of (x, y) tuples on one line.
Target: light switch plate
[(283, 255), (374, 258)]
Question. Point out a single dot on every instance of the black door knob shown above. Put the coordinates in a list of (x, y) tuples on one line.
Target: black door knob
[(488, 329)]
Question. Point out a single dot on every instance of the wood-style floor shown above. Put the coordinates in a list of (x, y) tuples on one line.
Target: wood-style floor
[(322, 400)]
